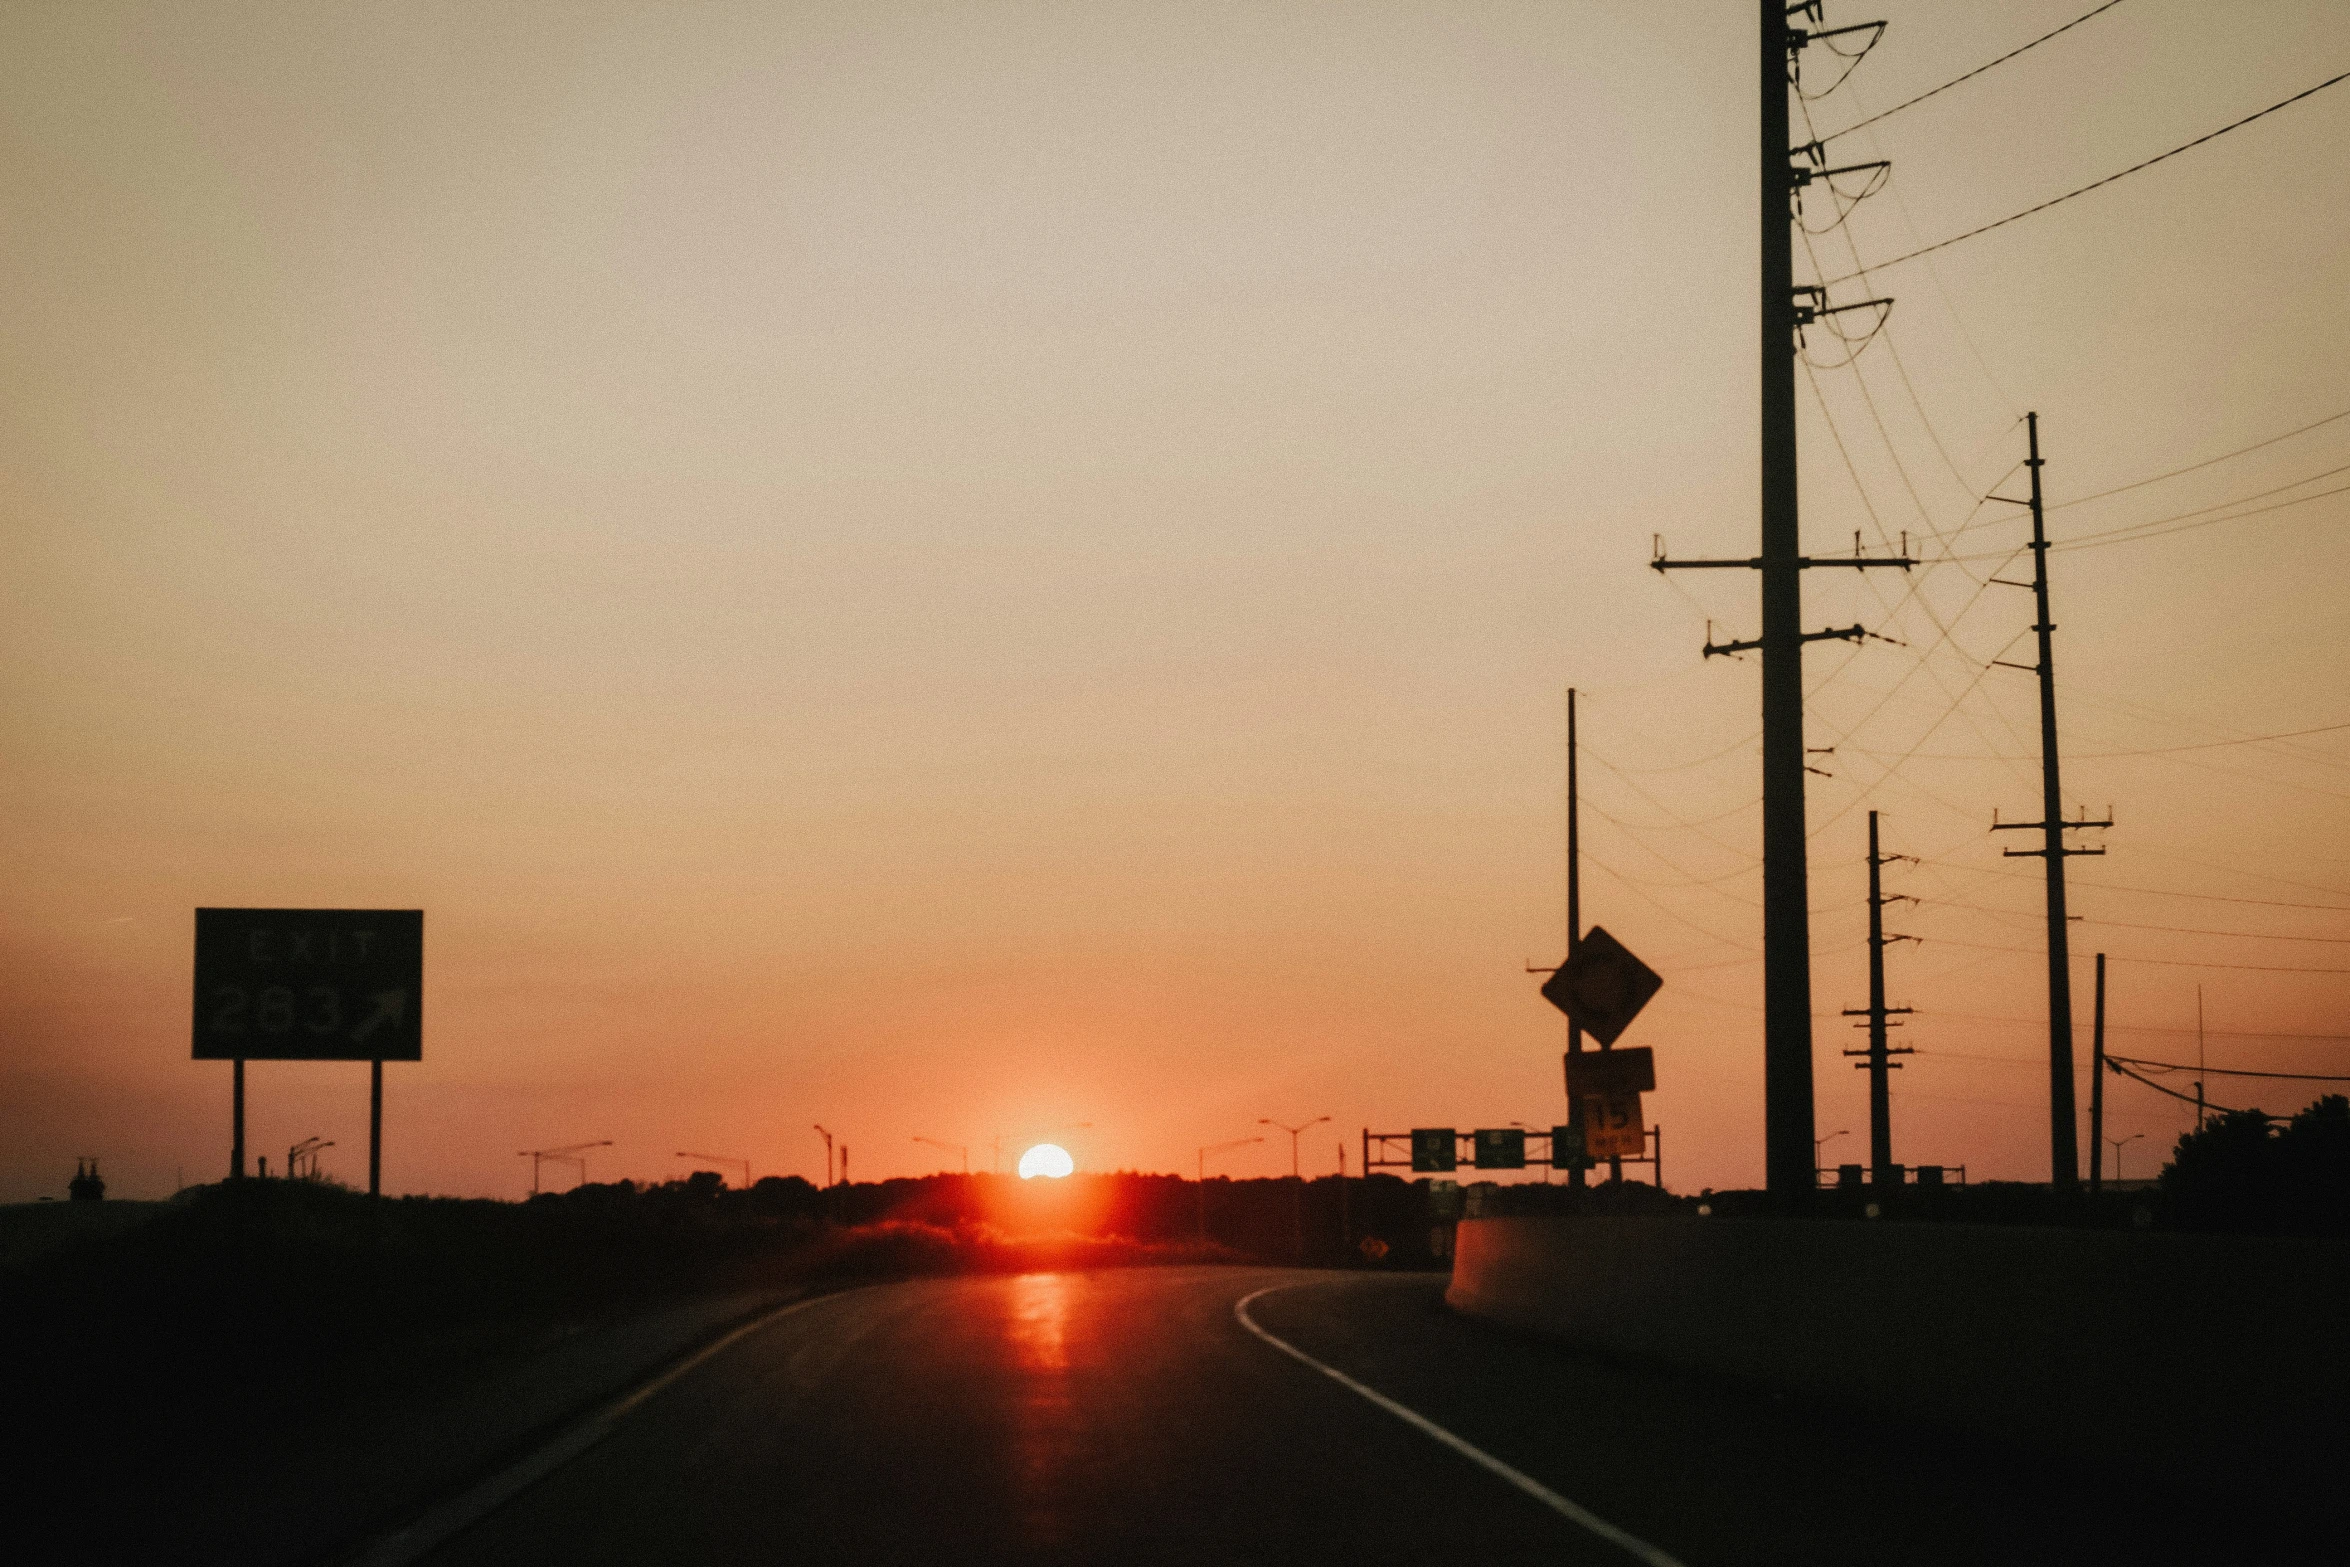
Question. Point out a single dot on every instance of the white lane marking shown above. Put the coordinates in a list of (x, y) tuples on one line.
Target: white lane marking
[(1630, 1543), (418, 1539)]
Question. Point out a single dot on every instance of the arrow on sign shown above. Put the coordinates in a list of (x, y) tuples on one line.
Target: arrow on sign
[(390, 1007)]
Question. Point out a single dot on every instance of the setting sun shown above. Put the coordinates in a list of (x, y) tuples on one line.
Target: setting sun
[(1046, 1159)]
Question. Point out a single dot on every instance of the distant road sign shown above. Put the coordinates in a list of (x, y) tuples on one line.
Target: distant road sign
[(1434, 1148), (1373, 1247), (1566, 1149), (1501, 1148), (1628, 1071), (1602, 987), (1612, 1128), (309, 985)]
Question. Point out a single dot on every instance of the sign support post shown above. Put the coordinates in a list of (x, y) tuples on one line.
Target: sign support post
[(309, 985), (375, 1128)]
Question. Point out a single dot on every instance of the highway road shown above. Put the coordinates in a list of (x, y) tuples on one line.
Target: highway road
[(1136, 1416)]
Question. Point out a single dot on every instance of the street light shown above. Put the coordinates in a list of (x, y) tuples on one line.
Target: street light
[(1292, 1131), (570, 1153), (827, 1136), (1200, 1186), (1819, 1143), (1297, 1188), (2117, 1153), (950, 1148), (712, 1158)]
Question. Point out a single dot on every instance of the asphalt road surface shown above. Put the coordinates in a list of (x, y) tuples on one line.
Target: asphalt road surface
[(1133, 1416)]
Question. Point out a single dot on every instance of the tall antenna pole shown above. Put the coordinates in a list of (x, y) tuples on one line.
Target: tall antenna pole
[(2063, 1151), (1879, 1063), (1574, 914)]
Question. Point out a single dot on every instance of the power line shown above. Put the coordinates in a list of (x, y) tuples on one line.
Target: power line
[(2250, 968), (2199, 1103), (2157, 892), (2014, 217), (2234, 1071), (2194, 467), (2140, 1028), (1971, 75), (2159, 750), (2176, 930)]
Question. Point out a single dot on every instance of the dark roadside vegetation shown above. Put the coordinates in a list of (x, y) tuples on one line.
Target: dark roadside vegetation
[(143, 1341), (254, 1317)]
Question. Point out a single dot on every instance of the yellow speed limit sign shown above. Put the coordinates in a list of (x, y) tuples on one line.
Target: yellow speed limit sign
[(1612, 1128)]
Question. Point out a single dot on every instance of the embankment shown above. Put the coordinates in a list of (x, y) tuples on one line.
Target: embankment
[(2137, 1347)]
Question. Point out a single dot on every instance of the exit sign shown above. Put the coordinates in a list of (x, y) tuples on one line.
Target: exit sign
[(309, 985)]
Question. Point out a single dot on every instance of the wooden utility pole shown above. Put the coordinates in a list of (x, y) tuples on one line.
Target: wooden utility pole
[(1786, 310), (2063, 1151), (1879, 1063)]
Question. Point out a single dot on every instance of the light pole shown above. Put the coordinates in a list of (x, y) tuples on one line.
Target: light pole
[(1200, 1186), (712, 1158), (827, 1136), (570, 1153), (1297, 1187), (1292, 1131), (2118, 1142), (1817, 1144), (308, 1149), (950, 1148)]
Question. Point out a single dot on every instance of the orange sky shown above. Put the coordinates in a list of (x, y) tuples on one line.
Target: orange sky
[(956, 570)]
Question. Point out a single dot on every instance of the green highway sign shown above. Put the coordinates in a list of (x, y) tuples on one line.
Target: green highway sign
[(309, 985), (1434, 1148), (1501, 1148)]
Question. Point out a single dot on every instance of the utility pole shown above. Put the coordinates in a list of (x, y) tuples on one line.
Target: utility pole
[(2063, 1155), (1786, 310), (2097, 1088), (1879, 1065), (827, 1136), (1575, 928)]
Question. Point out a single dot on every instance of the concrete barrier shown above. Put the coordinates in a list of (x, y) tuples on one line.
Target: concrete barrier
[(2136, 1346)]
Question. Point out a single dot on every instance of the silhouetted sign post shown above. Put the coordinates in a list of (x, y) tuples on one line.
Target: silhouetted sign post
[(1608, 1084), (1601, 988), (310, 985)]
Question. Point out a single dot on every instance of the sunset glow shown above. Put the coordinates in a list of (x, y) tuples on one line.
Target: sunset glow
[(1046, 1159)]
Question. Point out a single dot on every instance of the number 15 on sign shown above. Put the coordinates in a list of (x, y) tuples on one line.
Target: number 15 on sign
[(1612, 1127)]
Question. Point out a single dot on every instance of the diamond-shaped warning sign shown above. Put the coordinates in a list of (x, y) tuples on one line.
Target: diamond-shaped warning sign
[(1602, 987)]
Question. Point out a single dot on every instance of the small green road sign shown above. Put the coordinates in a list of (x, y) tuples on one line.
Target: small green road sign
[(1444, 1199), (1501, 1148), (1566, 1149), (1434, 1148)]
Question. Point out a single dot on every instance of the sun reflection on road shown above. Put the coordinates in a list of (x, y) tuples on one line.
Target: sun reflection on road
[(1040, 1322), (1045, 1449)]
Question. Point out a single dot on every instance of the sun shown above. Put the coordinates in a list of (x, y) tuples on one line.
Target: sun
[(1046, 1159)]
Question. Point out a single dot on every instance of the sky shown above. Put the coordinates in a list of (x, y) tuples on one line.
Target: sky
[(991, 571)]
